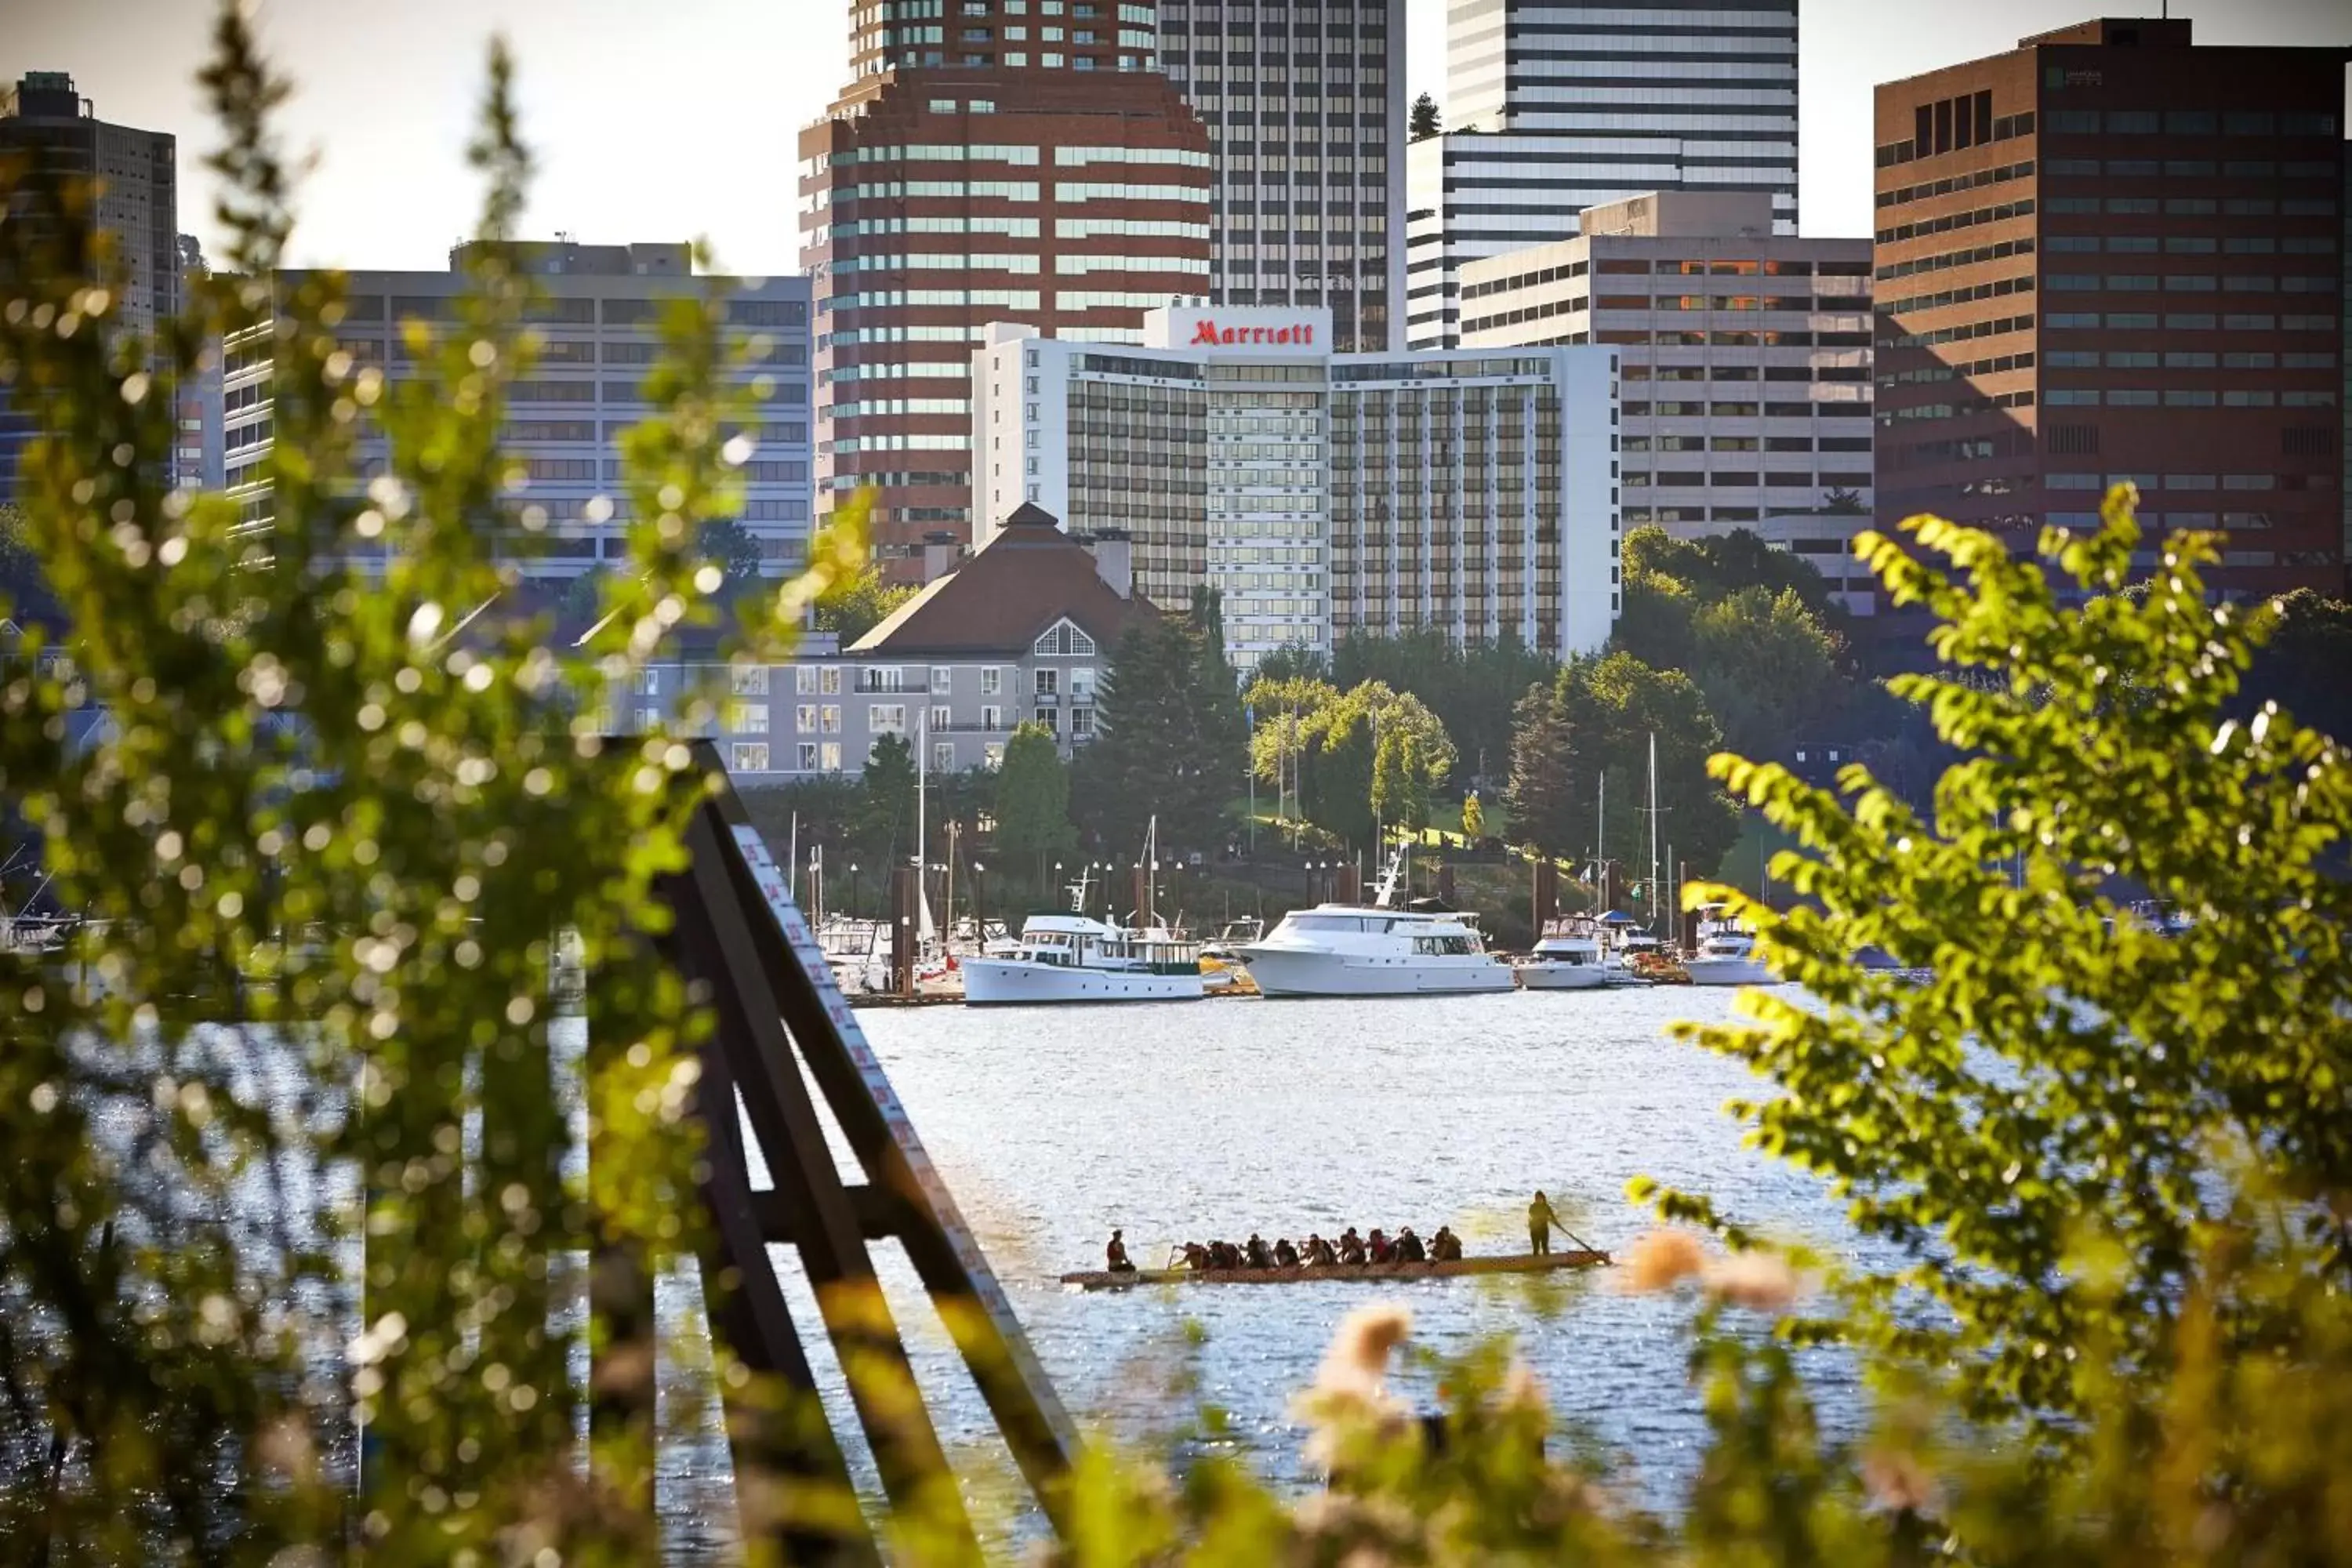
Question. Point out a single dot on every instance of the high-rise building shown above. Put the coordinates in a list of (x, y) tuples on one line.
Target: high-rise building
[(1321, 493), (2108, 254), (596, 318), (136, 174), (1305, 106), (1556, 107), (1013, 162), (1744, 379), (197, 453)]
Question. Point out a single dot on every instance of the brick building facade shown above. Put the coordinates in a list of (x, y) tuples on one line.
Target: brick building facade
[(2111, 255)]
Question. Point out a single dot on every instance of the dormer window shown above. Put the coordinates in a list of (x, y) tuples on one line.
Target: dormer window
[(1064, 640)]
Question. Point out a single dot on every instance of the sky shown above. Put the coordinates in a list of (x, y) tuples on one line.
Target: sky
[(667, 119)]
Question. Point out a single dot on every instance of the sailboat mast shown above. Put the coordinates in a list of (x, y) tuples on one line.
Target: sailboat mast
[(1601, 844), (1653, 827)]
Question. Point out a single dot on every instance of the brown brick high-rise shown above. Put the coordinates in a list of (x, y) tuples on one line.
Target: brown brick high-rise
[(1000, 165), (2110, 254)]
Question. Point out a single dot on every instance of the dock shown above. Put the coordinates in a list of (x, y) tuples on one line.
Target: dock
[(1401, 1273)]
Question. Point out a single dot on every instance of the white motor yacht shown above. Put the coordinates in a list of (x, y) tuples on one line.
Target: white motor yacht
[(1727, 957), (1353, 950), (1570, 957), (1073, 958)]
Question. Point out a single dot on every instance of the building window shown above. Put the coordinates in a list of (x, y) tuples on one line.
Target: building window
[(992, 718), (830, 756), (805, 718), (992, 681), (943, 757), (746, 718), (808, 756), (942, 719), (1051, 718), (992, 756), (886, 718), (751, 681), (1049, 682), (831, 724), (649, 682), (943, 677), (804, 680), (748, 757)]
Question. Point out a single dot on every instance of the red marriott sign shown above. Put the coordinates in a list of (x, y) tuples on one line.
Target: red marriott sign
[(1299, 335)]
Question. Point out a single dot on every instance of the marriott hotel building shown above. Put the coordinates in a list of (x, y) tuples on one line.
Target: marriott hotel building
[(1321, 493)]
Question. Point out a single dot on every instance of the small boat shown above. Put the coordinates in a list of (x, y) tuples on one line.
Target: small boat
[(1509, 1263), (1726, 957), (1569, 958)]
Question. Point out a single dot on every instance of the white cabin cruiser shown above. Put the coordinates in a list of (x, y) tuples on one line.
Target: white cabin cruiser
[(1727, 957), (1073, 958), (1353, 950), (1570, 957)]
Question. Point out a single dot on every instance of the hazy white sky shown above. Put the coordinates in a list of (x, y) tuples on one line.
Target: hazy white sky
[(667, 119)]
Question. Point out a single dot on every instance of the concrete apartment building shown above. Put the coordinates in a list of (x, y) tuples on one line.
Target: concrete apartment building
[(137, 175), (597, 319), (2112, 254), (1744, 358), (992, 160), (1321, 493), (1021, 631), (1554, 107), (1306, 110)]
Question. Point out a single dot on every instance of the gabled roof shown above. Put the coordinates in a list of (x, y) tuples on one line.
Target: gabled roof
[(1029, 576)]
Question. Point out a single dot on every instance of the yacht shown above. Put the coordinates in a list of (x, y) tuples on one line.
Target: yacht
[(1570, 957), (1074, 958), (1352, 950), (1727, 957)]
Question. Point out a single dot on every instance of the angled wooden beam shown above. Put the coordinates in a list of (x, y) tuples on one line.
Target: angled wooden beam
[(914, 1468)]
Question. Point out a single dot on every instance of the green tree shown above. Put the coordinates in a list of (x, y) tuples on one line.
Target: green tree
[(1425, 122), (886, 809), (583, 596), (1033, 799), (2301, 666), (1293, 661), (859, 604), (1338, 795), (1842, 503), (2082, 1106), (730, 547), (1768, 667), (1170, 740), (1545, 758)]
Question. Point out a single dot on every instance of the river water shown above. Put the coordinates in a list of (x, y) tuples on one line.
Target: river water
[(1187, 1120)]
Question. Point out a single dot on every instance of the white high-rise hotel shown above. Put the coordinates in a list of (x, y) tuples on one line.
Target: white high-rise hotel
[(1555, 108), (1321, 493)]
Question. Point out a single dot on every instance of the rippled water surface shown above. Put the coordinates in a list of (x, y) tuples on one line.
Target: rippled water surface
[(1180, 1120)]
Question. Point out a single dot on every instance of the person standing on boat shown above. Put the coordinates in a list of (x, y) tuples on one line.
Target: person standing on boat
[(1540, 1219), (1115, 1255)]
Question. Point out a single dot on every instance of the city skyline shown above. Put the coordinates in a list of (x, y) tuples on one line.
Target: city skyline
[(621, 159)]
